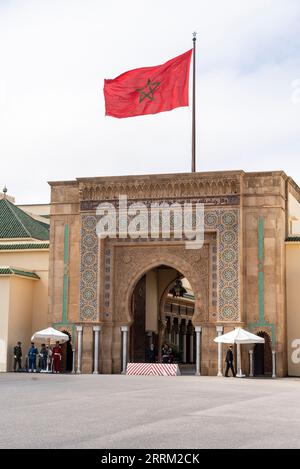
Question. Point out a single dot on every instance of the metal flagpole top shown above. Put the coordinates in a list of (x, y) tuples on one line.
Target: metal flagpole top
[(194, 106)]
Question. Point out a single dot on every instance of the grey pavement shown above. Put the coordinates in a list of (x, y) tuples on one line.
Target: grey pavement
[(114, 411)]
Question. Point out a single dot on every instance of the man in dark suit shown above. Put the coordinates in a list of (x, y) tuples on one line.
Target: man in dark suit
[(151, 354), (229, 361), (18, 356)]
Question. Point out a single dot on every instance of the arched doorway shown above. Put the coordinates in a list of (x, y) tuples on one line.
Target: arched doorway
[(67, 354), (162, 308), (263, 356)]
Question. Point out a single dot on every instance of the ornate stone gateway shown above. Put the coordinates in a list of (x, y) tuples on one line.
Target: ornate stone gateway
[(92, 280), (132, 259)]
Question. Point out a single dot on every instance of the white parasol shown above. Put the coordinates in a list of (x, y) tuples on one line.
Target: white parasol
[(239, 336), (50, 334)]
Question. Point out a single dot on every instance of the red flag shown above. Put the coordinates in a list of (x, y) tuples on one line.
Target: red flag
[(149, 90)]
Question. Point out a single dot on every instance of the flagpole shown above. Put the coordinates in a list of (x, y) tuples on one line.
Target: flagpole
[(194, 107)]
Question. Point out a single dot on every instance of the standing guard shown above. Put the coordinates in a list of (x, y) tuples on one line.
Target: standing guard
[(18, 356), (43, 358), (57, 356), (32, 353)]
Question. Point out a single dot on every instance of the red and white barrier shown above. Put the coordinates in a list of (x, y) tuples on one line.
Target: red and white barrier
[(153, 369)]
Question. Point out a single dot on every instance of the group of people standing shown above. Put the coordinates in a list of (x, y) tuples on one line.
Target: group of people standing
[(48, 359), (167, 354)]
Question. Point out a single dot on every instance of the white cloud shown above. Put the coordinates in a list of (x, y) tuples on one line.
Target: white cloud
[(55, 55)]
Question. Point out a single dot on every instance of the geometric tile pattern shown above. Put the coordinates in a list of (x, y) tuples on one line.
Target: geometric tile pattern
[(89, 247), (225, 222)]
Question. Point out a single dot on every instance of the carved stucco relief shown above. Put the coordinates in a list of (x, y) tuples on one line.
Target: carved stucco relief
[(224, 222)]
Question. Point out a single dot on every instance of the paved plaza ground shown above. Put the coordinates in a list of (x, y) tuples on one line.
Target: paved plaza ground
[(113, 411)]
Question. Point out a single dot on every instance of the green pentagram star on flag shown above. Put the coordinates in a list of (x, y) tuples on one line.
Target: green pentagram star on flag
[(152, 87)]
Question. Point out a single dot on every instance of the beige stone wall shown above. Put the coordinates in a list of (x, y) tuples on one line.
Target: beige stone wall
[(293, 307), (21, 304), (293, 216), (4, 310), (40, 301), (37, 261), (27, 307), (64, 210), (265, 199), (36, 209)]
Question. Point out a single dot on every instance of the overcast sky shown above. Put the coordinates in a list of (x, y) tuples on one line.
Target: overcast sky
[(55, 54)]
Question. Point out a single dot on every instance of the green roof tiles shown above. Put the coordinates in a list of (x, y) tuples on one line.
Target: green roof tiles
[(14, 223), (21, 246), (22, 273), (293, 239)]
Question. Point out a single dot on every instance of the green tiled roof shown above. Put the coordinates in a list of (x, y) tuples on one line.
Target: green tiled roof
[(293, 239), (14, 271), (14, 223), (20, 246)]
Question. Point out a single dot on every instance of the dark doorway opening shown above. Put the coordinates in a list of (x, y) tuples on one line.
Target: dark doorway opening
[(162, 306), (67, 355), (138, 335), (263, 356)]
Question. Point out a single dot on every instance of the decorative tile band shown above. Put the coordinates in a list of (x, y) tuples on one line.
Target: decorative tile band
[(261, 279), (66, 276), (261, 284), (89, 253), (225, 222)]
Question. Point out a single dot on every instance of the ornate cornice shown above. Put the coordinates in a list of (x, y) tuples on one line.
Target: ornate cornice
[(91, 205), (160, 187)]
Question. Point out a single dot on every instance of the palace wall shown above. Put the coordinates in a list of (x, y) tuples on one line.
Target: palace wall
[(238, 277)]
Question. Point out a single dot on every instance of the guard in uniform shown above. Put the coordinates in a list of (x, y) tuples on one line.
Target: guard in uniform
[(43, 358), (18, 356), (32, 353), (57, 356)]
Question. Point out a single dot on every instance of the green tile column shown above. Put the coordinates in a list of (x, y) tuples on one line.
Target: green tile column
[(261, 279), (66, 276), (261, 282)]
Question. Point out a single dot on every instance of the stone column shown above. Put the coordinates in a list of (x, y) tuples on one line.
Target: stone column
[(170, 331), (173, 333), (96, 330), (198, 330), (219, 332), (177, 337), (239, 368), (124, 330), (161, 336), (184, 345), (79, 348), (73, 361), (150, 335), (192, 347), (251, 363), (273, 364)]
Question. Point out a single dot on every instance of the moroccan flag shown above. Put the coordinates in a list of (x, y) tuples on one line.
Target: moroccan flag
[(149, 90)]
